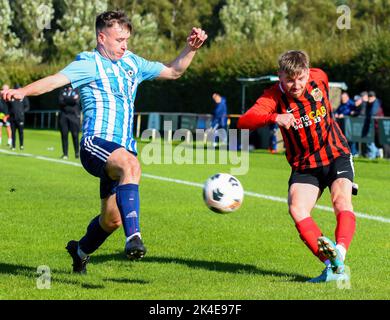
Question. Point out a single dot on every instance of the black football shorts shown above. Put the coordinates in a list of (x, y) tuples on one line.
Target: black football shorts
[(322, 177)]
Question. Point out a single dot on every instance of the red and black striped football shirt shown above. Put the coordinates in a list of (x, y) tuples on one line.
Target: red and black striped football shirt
[(316, 139)]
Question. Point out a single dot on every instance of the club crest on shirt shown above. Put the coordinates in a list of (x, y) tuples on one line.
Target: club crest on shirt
[(317, 94)]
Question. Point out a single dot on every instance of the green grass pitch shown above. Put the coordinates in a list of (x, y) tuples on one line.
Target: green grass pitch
[(193, 253)]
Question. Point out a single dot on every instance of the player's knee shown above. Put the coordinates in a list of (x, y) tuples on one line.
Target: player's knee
[(298, 212), (131, 168), (341, 203), (124, 165)]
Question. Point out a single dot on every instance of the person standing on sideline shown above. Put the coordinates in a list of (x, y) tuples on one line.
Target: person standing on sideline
[(108, 78), (373, 109), (69, 120), (273, 138), (4, 117), (318, 153), (219, 120), (16, 118), (364, 95), (346, 109)]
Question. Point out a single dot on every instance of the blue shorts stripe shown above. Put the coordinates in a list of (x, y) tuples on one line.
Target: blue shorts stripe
[(91, 146)]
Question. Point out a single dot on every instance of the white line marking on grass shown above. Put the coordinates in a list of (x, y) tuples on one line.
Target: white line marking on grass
[(272, 198), (199, 185)]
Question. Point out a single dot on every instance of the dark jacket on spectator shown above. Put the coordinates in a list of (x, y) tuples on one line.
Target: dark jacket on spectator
[(18, 108)]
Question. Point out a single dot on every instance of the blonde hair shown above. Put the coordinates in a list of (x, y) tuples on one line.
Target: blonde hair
[(293, 62)]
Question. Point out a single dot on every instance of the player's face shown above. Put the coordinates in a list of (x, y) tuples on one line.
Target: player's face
[(114, 41), (294, 85)]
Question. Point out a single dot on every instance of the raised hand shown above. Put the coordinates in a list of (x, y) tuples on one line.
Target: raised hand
[(196, 38)]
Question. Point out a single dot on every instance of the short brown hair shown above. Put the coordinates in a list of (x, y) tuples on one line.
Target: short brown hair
[(293, 62), (108, 18)]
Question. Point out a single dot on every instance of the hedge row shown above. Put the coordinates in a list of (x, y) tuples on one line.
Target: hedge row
[(364, 64)]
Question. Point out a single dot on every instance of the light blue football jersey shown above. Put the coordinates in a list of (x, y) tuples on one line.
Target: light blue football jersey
[(107, 93)]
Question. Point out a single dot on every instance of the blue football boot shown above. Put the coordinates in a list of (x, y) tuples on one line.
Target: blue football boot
[(328, 275), (329, 249)]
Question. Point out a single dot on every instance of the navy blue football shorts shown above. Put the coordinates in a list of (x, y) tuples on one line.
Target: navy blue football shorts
[(322, 177), (94, 153)]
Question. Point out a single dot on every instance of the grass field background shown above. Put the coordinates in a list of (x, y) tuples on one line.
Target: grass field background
[(193, 253)]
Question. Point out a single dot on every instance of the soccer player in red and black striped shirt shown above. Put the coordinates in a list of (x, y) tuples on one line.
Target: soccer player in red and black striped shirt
[(317, 151)]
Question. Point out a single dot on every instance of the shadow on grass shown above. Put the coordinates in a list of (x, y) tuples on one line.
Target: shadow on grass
[(78, 280), (31, 273), (217, 266), (126, 281)]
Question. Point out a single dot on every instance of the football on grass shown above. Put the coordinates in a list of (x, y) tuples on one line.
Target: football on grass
[(223, 193)]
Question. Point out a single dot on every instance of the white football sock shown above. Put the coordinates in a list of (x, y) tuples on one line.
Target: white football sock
[(342, 251), (132, 236), (81, 253)]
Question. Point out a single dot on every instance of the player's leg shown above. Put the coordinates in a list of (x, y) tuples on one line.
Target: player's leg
[(9, 133), (341, 195), (302, 198), (75, 130), (341, 176), (21, 134), (94, 153), (124, 167), (110, 217), (98, 230), (305, 189), (64, 129), (13, 133)]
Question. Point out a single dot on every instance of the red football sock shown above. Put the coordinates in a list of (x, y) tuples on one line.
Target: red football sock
[(309, 233), (346, 224)]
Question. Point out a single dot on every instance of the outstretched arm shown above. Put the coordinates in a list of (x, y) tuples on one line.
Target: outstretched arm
[(36, 88), (264, 113), (176, 68)]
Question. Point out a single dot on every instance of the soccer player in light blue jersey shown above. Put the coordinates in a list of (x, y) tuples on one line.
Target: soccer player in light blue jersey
[(107, 78)]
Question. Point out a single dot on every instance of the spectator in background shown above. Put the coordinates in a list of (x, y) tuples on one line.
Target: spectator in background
[(16, 116), (346, 106), (69, 119), (373, 109), (219, 120), (358, 106), (354, 113), (273, 139), (363, 106), (4, 116)]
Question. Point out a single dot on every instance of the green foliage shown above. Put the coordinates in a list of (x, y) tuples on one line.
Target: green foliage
[(318, 17), (77, 27), (254, 20), (146, 37), (33, 19), (9, 42)]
